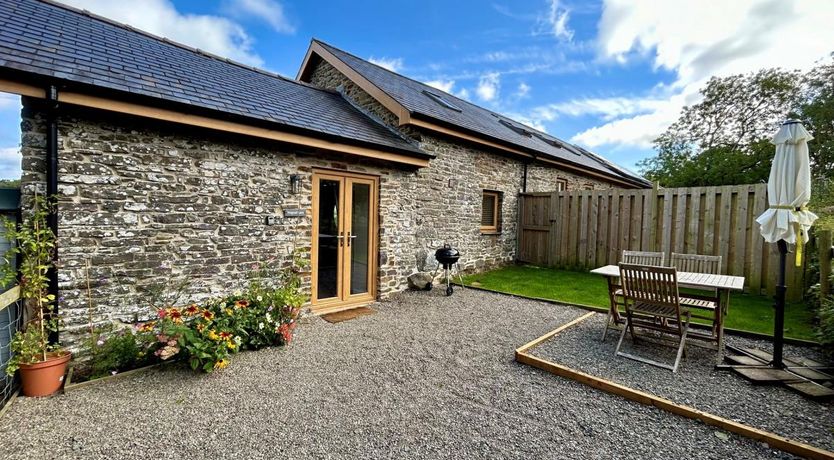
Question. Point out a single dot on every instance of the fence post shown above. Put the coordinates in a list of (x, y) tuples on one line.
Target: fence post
[(825, 252), (654, 214)]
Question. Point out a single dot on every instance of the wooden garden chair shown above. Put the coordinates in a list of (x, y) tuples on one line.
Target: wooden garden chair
[(705, 305), (615, 291), (652, 302)]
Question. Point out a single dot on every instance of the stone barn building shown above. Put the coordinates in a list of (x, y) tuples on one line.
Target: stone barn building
[(170, 163)]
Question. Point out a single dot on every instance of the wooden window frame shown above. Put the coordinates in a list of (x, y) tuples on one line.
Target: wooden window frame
[(562, 185), (495, 212)]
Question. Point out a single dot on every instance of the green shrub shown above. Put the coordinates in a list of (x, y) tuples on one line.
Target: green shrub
[(117, 352)]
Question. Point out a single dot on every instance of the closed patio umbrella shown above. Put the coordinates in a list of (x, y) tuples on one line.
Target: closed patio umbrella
[(787, 220)]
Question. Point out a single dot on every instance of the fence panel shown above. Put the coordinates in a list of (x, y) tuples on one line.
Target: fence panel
[(587, 229), (11, 317)]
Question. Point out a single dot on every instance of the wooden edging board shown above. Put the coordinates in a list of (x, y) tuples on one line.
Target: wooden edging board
[(779, 442), (74, 386), (727, 330)]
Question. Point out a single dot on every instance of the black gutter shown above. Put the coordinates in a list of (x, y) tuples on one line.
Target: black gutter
[(52, 192)]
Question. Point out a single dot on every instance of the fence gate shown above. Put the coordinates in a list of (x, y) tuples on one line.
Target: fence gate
[(590, 228)]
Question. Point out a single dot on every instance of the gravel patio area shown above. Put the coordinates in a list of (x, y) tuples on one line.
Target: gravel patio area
[(697, 384), (427, 376)]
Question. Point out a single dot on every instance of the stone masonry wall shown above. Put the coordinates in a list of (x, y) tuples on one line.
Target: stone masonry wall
[(545, 179)]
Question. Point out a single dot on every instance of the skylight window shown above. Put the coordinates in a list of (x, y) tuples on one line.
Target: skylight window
[(550, 141), (516, 128), (442, 101)]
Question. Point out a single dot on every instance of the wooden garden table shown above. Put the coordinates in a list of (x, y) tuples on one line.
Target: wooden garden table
[(723, 284)]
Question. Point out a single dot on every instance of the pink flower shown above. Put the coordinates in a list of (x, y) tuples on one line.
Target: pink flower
[(162, 313)]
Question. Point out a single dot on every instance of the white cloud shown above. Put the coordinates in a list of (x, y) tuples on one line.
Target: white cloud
[(214, 34), (605, 108), (10, 162), (269, 11), (523, 90), (557, 18), (442, 85), (695, 41), (392, 64), (488, 86)]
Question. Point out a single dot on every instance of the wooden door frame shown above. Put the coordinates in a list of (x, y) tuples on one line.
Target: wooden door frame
[(344, 299)]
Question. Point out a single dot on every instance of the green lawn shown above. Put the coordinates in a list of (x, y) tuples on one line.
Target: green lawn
[(747, 312)]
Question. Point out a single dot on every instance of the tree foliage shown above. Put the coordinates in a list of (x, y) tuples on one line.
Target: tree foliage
[(725, 138)]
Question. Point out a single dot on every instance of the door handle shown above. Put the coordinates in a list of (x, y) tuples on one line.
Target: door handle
[(341, 238), (350, 238)]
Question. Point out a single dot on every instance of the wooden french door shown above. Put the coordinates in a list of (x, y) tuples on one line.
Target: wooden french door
[(344, 239)]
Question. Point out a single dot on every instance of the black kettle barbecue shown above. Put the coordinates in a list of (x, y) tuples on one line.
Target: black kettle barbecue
[(447, 257)]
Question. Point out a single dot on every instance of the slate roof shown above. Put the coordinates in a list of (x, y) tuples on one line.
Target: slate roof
[(410, 93), (53, 40)]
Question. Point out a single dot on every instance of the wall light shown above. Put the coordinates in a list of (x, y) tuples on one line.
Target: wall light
[(295, 183)]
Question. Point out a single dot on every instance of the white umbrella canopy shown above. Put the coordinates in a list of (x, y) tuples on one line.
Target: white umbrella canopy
[(789, 189)]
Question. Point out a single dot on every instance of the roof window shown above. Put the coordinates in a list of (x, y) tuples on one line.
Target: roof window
[(516, 128), (442, 101)]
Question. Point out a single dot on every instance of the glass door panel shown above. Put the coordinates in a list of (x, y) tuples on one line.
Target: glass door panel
[(359, 237), (329, 239)]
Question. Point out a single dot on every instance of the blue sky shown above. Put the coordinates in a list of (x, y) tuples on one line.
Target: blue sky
[(610, 75)]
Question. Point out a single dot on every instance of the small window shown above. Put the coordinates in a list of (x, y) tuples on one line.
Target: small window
[(490, 211), (561, 185), (442, 101)]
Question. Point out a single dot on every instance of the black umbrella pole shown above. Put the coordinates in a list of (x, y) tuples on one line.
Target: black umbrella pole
[(779, 322)]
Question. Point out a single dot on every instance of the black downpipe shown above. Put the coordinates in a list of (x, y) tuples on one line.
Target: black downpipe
[(524, 179), (52, 191)]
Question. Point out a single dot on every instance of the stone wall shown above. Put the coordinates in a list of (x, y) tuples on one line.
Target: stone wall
[(545, 179)]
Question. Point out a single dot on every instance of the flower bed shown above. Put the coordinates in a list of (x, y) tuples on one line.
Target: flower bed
[(204, 334)]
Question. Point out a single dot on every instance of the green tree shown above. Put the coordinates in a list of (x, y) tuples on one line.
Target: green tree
[(817, 111), (724, 139)]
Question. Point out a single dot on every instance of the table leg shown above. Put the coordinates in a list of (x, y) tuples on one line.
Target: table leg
[(615, 312), (723, 304)]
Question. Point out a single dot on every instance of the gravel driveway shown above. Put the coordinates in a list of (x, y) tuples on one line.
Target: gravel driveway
[(426, 377)]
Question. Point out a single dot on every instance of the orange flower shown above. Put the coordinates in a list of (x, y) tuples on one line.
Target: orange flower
[(192, 309), (225, 335), (201, 327), (243, 303), (147, 327), (175, 314), (207, 315)]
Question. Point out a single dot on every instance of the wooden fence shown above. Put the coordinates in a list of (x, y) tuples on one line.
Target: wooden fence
[(590, 228)]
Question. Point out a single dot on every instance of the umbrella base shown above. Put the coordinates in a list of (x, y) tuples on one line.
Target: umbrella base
[(806, 377)]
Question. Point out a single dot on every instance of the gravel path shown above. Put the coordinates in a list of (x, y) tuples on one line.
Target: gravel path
[(427, 376), (697, 383)]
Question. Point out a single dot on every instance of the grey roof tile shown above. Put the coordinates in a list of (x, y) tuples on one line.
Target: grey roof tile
[(410, 93), (48, 39)]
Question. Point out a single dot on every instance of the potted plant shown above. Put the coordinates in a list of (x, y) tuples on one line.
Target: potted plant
[(42, 364)]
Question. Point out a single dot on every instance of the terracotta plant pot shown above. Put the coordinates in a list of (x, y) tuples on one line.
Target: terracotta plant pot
[(45, 377)]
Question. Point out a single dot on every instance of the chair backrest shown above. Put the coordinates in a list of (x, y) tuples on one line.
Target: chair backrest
[(643, 258), (696, 263), (651, 289)]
